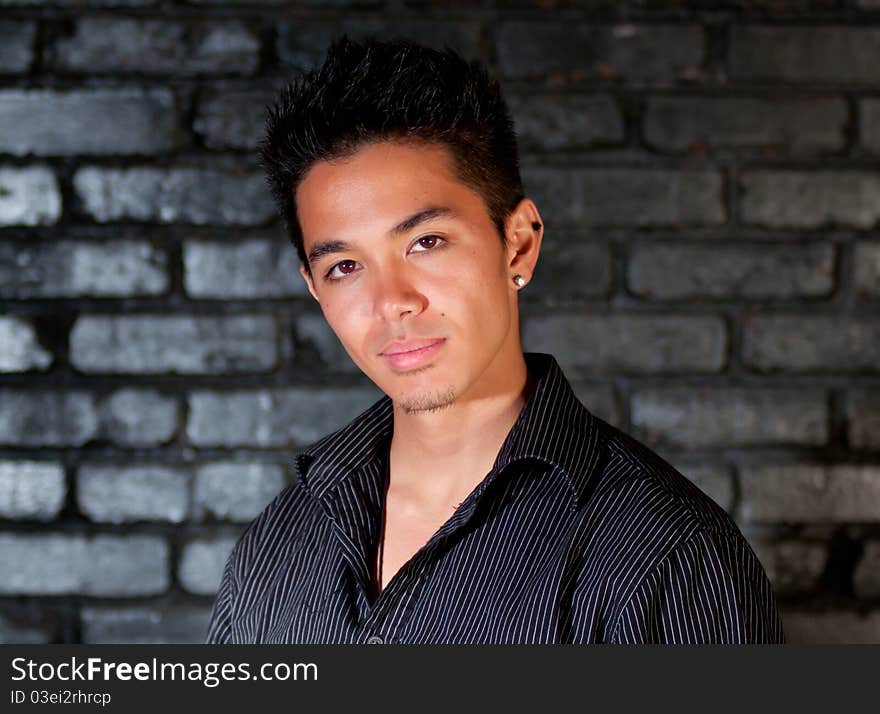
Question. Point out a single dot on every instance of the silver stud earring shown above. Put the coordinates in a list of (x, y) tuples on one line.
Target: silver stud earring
[(519, 280)]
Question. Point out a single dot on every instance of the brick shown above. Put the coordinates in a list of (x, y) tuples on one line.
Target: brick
[(797, 199), (63, 418), (123, 494), (201, 564), (794, 567), (867, 262), (65, 268), (318, 344), (142, 344), (29, 196), (798, 125), (118, 121), (249, 269), (815, 54), (20, 349), (676, 271), (570, 268), (866, 579), (235, 491), (629, 343), (553, 122), (16, 46), (626, 197), (13, 633), (78, 4), (118, 45), (272, 417), (870, 124), (189, 195), (137, 417), (807, 493), (647, 53), (811, 343), (831, 627), (599, 399), (100, 565), (303, 46), (145, 625), (232, 118), (714, 481), (863, 419), (31, 490), (730, 416)]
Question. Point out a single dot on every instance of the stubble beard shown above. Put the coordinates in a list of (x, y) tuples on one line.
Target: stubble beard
[(427, 402)]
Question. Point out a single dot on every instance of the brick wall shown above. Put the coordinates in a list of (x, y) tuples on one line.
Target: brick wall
[(708, 176)]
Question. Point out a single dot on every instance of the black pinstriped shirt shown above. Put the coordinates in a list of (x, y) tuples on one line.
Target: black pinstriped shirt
[(578, 534)]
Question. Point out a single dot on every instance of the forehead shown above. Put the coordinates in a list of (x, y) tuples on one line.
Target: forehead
[(377, 186)]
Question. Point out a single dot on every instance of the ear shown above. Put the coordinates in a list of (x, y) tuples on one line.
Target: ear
[(524, 230), (308, 279)]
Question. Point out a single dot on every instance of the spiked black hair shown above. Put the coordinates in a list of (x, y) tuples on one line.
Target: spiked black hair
[(371, 91)]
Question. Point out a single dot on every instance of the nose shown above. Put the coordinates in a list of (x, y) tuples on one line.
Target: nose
[(396, 296)]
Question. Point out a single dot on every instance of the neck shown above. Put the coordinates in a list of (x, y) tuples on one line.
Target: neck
[(437, 456)]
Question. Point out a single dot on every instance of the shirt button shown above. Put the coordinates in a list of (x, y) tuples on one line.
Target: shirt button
[(375, 640)]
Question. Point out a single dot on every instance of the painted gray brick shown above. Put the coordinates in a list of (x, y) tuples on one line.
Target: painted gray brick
[(811, 343), (694, 123), (863, 419), (190, 195), (100, 565), (235, 491), (279, 417), (122, 494), (676, 271), (715, 481), (140, 344), (629, 343), (655, 53), (303, 46), (99, 121), (16, 45), (232, 118), (31, 490), (137, 417), (202, 562), (570, 268), (65, 268), (831, 627), (800, 199), (866, 580), (869, 110), (29, 196), (117, 45), (730, 416), (13, 633), (20, 349), (794, 567), (599, 399), (565, 121), (810, 493), (177, 624), (626, 197), (815, 54), (40, 418), (867, 262), (247, 269)]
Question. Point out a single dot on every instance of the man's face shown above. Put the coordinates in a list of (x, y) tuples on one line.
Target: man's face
[(416, 260)]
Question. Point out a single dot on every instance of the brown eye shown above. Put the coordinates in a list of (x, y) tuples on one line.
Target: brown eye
[(346, 267), (427, 243)]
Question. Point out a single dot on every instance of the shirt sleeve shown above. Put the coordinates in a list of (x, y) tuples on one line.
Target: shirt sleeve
[(710, 589), (220, 625)]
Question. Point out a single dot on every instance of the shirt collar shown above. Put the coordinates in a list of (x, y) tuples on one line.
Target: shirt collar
[(553, 427)]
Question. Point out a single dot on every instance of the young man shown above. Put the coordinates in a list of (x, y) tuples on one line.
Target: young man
[(479, 501)]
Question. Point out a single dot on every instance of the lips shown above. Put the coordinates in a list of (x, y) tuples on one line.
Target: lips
[(411, 353)]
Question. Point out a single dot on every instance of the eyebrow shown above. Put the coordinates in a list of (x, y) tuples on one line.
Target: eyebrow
[(328, 247)]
